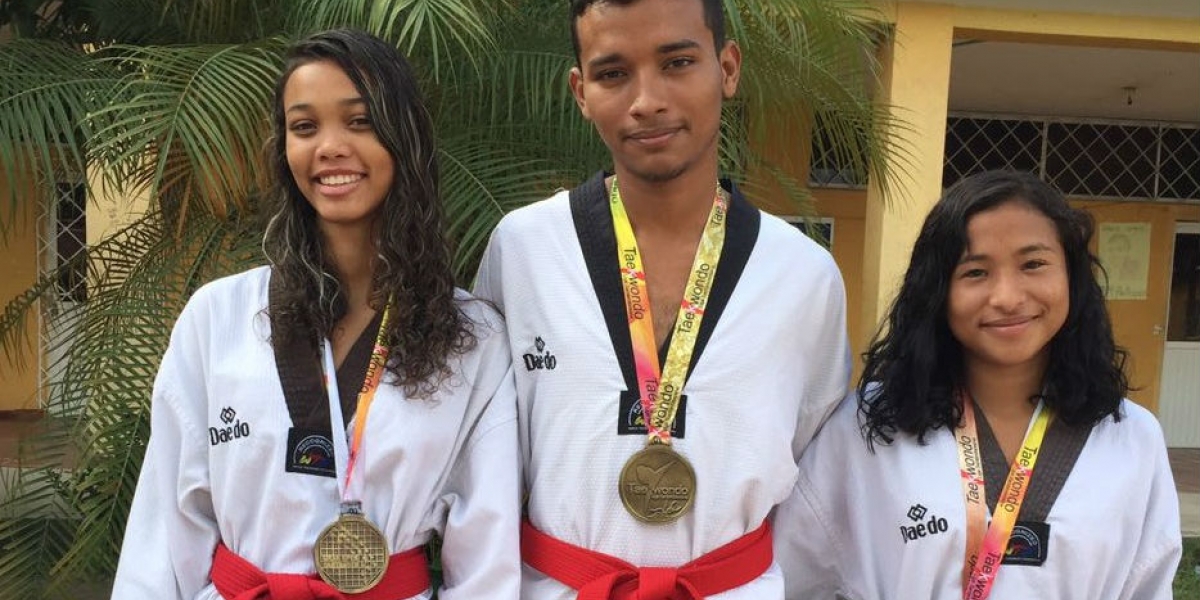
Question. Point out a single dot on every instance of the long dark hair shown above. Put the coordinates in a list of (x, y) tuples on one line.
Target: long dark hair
[(413, 263), (914, 367)]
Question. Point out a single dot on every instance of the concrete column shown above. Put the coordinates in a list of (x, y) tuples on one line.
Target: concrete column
[(916, 84)]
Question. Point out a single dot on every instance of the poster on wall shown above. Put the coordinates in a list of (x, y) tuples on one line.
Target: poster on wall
[(1125, 254)]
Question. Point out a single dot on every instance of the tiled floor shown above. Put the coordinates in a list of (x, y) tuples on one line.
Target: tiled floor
[(12, 432), (1185, 465)]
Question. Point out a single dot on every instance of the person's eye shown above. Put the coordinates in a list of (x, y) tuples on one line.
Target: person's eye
[(301, 127), (680, 62), (608, 75)]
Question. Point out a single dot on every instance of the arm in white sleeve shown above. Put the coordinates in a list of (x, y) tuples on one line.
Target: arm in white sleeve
[(1161, 544), (811, 535), (488, 282), (481, 553), (172, 531), (828, 360)]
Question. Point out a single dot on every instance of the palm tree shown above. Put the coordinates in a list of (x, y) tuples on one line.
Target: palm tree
[(170, 99)]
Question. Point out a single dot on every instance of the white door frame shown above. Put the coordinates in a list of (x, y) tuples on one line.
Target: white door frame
[(1179, 389)]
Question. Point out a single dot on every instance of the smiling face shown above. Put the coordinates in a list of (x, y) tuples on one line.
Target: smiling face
[(652, 83), (337, 161), (1009, 294)]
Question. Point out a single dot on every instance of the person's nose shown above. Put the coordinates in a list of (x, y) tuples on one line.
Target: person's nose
[(650, 96), (332, 144), (1008, 292)]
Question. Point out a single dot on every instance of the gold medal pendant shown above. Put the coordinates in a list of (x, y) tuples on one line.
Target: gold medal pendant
[(657, 485), (351, 554)]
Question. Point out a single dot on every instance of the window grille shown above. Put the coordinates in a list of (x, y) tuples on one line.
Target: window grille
[(70, 241), (1179, 168), (62, 250), (1144, 161), (830, 167)]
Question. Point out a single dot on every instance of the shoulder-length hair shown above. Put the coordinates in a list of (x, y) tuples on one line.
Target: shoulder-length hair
[(413, 266), (915, 366)]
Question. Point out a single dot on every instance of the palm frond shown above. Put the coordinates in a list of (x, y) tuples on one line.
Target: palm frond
[(480, 184), (813, 62), (103, 396), (436, 31), (190, 124), (47, 89), (32, 545)]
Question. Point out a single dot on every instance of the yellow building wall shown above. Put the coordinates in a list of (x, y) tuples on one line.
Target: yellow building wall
[(19, 271), (1140, 325), (916, 86), (108, 212), (848, 210), (786, 148)]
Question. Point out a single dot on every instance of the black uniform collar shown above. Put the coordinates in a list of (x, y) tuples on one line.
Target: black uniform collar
[(298, 364), (598, 240)]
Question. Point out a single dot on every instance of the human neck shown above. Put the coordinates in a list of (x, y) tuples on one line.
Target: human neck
[(352, 252), (1003, 392), (679, 206)]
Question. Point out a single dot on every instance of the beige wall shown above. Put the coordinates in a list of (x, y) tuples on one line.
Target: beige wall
[(108, 213), (1140, 325)]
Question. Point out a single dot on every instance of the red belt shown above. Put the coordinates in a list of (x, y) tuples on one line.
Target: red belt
[(236, 579), (602, 577)]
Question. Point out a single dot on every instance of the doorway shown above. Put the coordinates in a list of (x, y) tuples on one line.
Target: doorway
[(1179, 395)]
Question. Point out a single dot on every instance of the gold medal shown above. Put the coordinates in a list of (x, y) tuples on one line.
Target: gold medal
[(351, 553), (657, 485)]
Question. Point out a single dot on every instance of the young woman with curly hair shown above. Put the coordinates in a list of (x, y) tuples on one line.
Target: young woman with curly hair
[(997, 357), (317, 421)]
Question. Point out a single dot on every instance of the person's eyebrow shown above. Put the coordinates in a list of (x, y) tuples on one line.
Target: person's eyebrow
[(302, 106), (1030, 249), (616, 57), (684, 44)]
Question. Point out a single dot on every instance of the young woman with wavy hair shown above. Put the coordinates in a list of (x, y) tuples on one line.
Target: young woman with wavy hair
[(990, 450), (317, 421)]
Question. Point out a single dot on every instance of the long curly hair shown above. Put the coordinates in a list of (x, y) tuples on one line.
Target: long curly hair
[(914, 366), (413, 266)]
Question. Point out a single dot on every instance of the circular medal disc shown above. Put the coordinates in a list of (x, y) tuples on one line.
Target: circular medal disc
[(351, 554), (657, 485)]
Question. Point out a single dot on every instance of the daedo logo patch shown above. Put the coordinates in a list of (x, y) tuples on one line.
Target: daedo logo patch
[(231, 428), (922, 527)]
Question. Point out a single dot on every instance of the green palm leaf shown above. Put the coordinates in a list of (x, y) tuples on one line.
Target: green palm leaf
[(103, 397), (434, 30), (190, 124), (42, 110), (481, 183)]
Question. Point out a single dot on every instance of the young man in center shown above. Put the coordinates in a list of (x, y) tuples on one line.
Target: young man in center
[(675, 348)]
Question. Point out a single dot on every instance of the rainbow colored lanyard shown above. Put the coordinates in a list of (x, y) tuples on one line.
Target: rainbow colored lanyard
[(660, 402), (366, 395), (985, 552)]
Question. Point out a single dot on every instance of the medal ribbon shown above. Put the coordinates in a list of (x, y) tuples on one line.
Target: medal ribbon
[(366, 395), (661, 390), (985, 552)]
